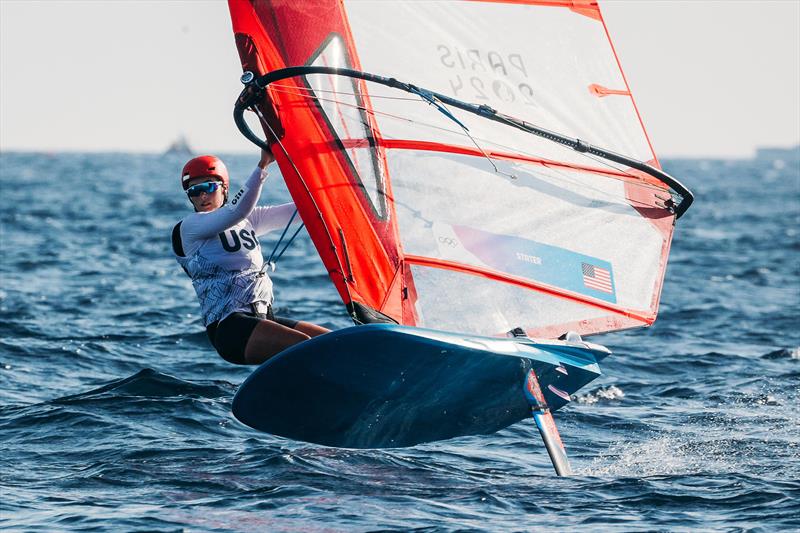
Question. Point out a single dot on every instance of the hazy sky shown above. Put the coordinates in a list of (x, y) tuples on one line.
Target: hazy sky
[(710, 78)]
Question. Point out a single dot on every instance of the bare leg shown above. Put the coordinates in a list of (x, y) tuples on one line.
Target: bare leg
[(269, 338), (312, 330)]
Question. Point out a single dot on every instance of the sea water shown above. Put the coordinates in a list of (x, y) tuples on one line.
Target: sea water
[(115, 411)]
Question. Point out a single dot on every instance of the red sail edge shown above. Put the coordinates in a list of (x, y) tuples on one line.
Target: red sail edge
[(328, 196)]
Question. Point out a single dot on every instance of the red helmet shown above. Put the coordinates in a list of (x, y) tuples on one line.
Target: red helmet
[(203, 167)]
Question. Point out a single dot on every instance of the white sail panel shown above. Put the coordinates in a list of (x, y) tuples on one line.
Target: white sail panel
[(452, 301), (543, 226), (535, 62)]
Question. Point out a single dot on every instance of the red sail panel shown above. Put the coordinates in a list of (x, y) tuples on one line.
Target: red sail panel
[(357, 242)]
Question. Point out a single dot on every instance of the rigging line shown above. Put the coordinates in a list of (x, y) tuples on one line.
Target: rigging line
[(481, 110), (302, 91), (289, 242), (600, 161), (553, 171), (626, 172), (431, 99), (270, 262), (428, 97), (405, 119), (389, 115), (300, 177), (556, 171), (411, 121), (385, 114), (603, 161)]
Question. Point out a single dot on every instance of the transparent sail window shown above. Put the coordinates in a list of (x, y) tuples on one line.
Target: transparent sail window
[(340, 100)]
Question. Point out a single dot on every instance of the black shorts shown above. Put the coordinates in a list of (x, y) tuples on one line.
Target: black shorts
[(230, 335)]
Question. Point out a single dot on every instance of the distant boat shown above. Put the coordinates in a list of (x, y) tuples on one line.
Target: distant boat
[(179, 146), (788, 155)]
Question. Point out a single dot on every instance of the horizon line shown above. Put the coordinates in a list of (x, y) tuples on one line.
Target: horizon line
[(792, 147)]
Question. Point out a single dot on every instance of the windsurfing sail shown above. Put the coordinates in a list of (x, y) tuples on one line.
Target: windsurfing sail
[(470, 166)]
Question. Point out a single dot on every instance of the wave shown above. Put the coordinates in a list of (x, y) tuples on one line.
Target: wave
[(144, 401), (783, 353), (611, 392), (151, 384)]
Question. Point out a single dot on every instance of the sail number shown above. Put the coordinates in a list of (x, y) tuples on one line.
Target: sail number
[(479, 75)]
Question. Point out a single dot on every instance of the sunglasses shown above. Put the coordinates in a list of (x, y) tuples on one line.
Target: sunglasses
[(208, 187)]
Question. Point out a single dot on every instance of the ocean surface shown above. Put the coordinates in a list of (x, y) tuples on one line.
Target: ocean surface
[(115, 411)]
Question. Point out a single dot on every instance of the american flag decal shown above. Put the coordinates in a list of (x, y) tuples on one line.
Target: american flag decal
[(596, 278)]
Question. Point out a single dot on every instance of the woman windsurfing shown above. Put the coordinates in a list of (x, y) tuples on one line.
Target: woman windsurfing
[(218, 248)]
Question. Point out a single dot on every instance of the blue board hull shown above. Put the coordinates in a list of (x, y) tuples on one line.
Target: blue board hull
[(385, 386)]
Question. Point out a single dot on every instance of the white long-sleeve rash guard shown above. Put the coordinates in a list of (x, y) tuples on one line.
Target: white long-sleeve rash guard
[(221, 253)]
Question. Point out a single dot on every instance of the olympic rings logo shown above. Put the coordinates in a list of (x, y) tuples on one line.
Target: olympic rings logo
[(447, 241)]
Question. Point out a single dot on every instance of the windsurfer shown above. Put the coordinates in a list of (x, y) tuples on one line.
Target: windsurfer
[(218, 248)]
